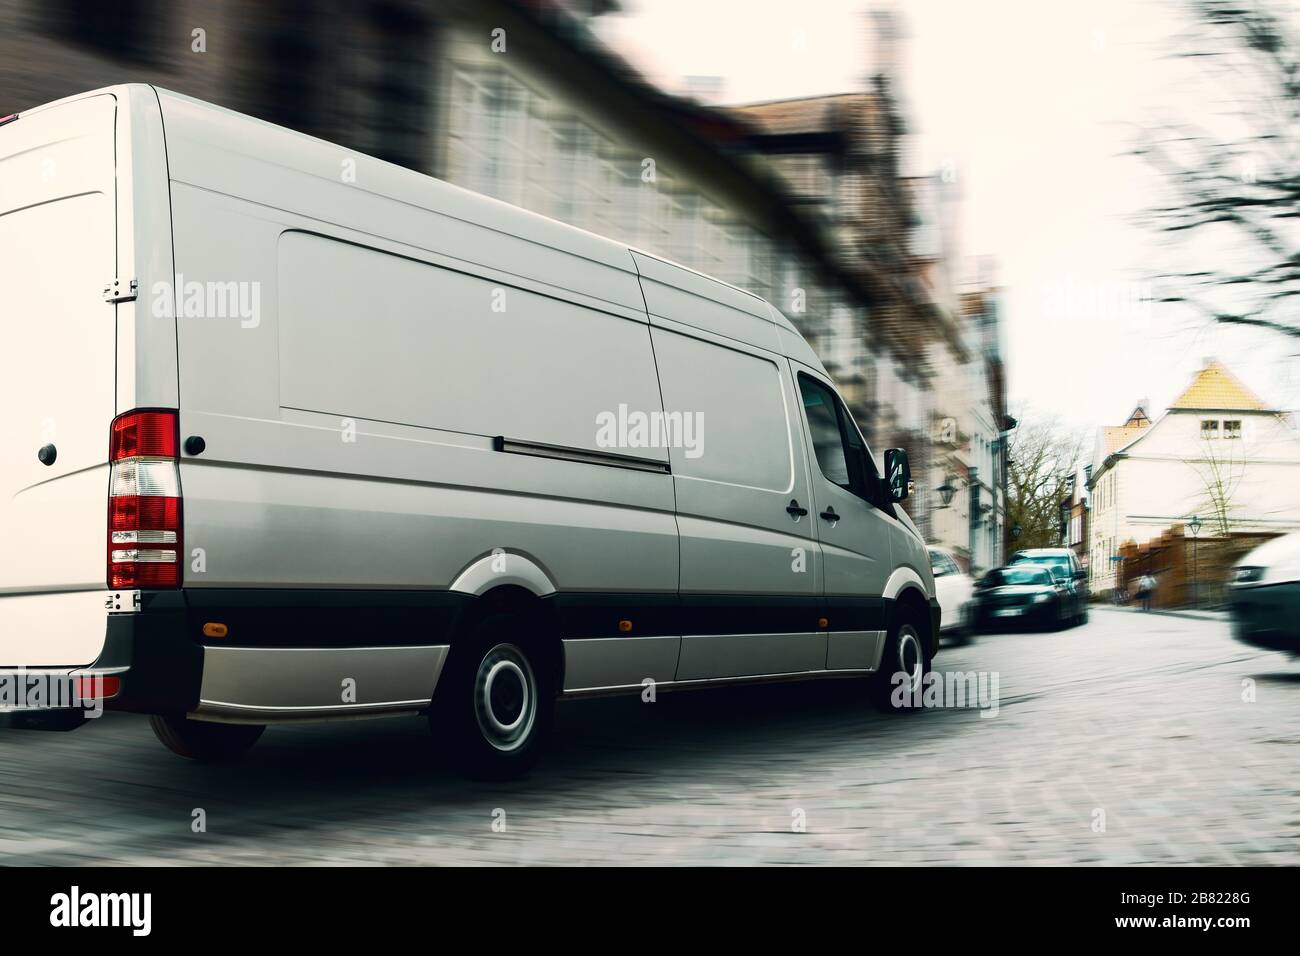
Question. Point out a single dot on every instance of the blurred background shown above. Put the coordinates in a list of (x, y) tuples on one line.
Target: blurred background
[(803, 201)]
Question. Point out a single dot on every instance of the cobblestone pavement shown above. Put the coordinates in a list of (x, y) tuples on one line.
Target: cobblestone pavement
[(1124, 741)]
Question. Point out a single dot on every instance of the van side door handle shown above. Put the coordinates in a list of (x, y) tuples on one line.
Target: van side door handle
[(830, 515), (794, 510)]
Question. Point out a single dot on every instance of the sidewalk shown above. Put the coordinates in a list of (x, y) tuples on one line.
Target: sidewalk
[(1196, 614)]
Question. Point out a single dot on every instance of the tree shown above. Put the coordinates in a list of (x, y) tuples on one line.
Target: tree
[(1043, 457), (1233, 203), (1220, 472)]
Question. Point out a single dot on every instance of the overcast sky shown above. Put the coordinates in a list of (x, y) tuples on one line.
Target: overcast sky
[(1035, 105)]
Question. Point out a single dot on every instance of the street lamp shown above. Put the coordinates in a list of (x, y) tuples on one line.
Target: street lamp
[(947, 490), (1195, 527)]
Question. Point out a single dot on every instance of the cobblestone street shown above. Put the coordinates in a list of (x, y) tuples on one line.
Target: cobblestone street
[(1123, 741)]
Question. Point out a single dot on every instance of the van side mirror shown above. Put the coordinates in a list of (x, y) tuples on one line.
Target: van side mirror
[(898, 474)]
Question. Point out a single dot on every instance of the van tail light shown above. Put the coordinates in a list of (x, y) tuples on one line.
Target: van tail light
[(98, 686), (144, 500)]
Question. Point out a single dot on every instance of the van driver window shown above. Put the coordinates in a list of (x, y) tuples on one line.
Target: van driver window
[(824, 423)]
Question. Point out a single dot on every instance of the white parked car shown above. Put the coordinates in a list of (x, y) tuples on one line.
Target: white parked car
[(294, 433), (953, 587), (1264, 596)]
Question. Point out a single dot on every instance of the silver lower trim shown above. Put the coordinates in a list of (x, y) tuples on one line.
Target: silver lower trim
[(608, 662), (854, 650), (705, 684), (622, 665), (274, 684), (706, 657)]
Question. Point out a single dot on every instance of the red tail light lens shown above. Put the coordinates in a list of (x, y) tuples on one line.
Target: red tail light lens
[(98, 687), (144, 503), (150, 434)]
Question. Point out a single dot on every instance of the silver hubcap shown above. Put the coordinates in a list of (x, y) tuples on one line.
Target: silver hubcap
[(910, 656), (505, 697)]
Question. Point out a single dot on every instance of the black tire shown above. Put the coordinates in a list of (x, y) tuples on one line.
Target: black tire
[(495, 702), (204, 741), (908, 649)]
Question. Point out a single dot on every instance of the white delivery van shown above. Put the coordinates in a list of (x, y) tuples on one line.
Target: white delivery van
[(294, 433)]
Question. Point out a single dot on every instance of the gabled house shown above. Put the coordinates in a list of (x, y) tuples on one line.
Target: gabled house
[(1219, 453)]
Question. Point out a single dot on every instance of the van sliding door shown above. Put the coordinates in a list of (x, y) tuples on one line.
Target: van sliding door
[(749, 561)]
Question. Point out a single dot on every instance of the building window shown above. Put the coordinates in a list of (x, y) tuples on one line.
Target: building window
[(1209, 428), (1232, 428)]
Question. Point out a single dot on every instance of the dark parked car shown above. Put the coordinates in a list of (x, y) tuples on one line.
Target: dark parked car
[(1064, 562), (1028, 595)]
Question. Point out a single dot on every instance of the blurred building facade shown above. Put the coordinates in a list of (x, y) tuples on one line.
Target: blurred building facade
[(1075, 515), (984, 486), (799, 201), (1219, 454)]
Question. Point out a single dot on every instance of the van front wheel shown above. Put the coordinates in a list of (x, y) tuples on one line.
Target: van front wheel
[(900, 681), (204, 741)]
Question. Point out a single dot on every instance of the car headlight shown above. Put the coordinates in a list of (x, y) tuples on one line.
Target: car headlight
[(1247, 574), (1042, 598)]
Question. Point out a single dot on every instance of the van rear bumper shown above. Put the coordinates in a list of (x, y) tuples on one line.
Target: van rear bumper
[(287, 656), (260, 685)]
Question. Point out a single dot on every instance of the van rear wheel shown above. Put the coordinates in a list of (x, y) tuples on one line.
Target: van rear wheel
[(495, 703), (204, 741)]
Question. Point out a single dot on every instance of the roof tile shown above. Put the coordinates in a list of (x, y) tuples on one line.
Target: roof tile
[(1215, 387)]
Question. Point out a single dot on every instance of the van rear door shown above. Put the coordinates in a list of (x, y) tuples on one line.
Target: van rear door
[(57, 361)]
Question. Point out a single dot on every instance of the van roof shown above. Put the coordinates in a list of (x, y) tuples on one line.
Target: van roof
[(292, 149)]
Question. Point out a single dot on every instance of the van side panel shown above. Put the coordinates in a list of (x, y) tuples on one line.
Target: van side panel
[(383, 334), (57, 246), (676, 293), (386, 338), (146, 327)]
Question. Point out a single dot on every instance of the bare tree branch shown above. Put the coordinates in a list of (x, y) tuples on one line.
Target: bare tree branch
[(1244, 190)]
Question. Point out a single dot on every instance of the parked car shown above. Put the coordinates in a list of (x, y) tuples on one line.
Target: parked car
[(1022, 595), (1066, 563), (294, 434), (1264, 596), (953, 587)]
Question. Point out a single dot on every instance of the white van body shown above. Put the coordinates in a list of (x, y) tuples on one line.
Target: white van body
[(403, 404)]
